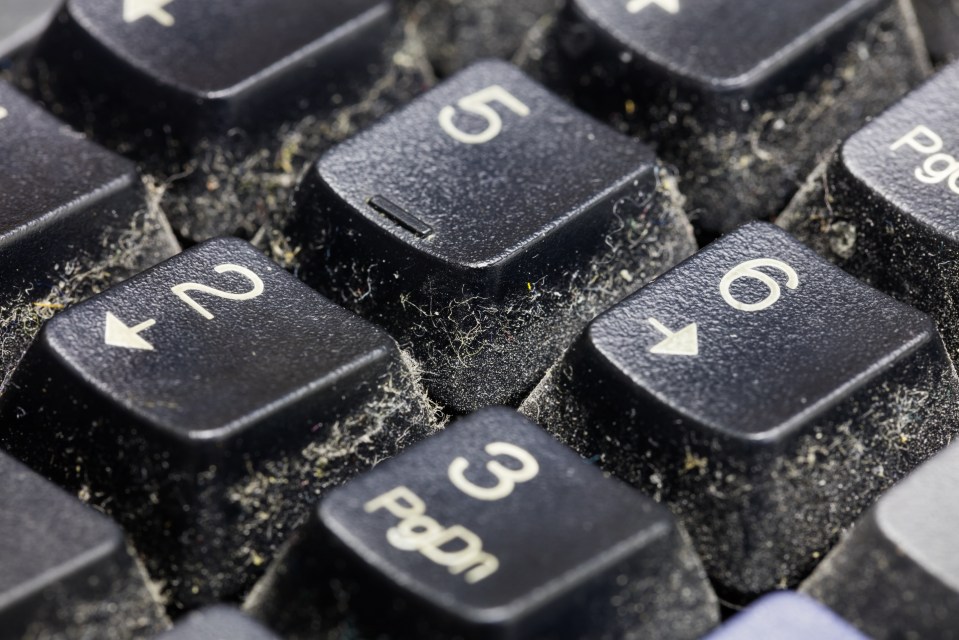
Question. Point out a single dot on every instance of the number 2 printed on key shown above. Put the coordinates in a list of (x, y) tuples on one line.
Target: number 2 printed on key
[(181, 290)]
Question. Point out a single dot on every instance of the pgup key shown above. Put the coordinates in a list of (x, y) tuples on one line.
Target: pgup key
[(741, 95), (206, 403), (884, 205), (491, 529), (785, 399)]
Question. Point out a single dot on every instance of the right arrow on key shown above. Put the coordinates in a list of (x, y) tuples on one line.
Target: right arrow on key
[(118, 334), (684, 342)]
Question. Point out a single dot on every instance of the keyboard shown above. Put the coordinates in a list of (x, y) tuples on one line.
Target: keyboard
[(499, 320)]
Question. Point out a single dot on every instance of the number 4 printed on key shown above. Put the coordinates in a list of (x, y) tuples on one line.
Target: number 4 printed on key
[(670, 6)]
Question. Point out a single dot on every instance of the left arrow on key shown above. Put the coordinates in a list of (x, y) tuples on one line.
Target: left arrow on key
[(133, 10), (118, 334)]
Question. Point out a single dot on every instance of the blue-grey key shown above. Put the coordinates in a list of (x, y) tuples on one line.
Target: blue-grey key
[(786, 616)]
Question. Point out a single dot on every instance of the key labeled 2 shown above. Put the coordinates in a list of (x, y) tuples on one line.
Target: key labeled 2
[(491, 529), (201, 392)]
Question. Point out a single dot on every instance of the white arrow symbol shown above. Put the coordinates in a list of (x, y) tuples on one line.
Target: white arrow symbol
[(684, 342), (118, 334), (3, 113), (670, 6), (133, 10)]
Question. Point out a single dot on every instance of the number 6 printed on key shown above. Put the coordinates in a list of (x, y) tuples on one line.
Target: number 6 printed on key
[(749, 270)]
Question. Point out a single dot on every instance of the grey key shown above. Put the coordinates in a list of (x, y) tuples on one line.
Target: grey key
[(21, 21), (896, 575)]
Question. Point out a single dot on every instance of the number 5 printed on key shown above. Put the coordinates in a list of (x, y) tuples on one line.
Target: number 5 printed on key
[(479, 104)]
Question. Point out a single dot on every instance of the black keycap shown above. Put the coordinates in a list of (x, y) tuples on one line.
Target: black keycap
[(483, 225), (741, 95), (66, 571), (884, 207), (939, 20), (895, 575), (188, 69), (21, 21), (217, 623), (490, 529), (205, 404), (226, 102), (763, 394), (72, 218)]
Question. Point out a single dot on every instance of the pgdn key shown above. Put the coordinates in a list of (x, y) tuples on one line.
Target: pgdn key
[(489, 530)]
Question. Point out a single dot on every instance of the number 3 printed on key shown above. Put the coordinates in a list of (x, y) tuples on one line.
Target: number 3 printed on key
[(507, 478)]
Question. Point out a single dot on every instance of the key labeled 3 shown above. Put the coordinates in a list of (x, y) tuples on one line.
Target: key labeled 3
[(490, 529)]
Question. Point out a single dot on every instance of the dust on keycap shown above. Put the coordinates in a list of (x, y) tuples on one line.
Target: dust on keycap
[(145, 242)]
